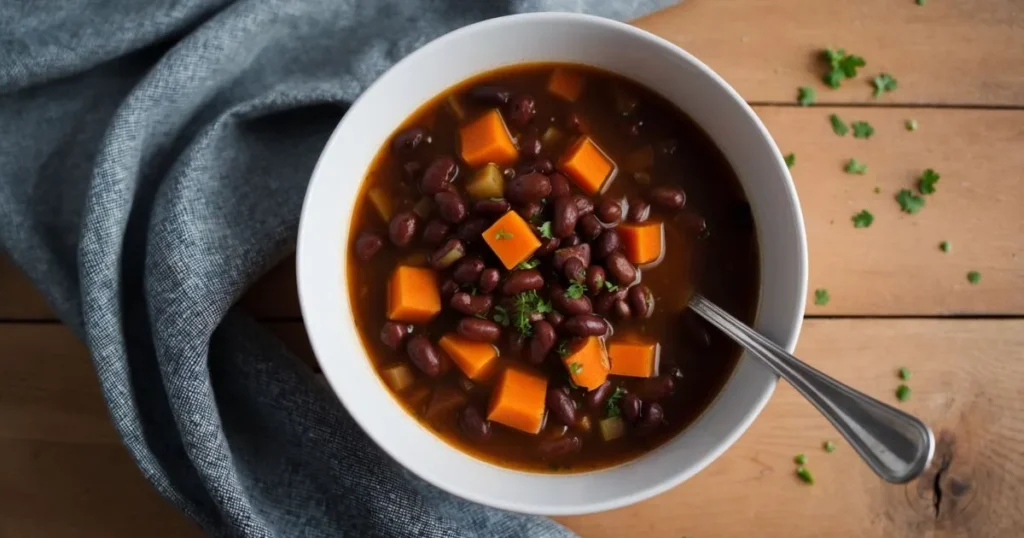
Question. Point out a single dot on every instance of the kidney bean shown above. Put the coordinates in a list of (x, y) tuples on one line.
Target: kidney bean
[(468, 269), (528, 188), (555, 319), (448, 289), (520, 109), (490, 95), (367, 245), (393, 333), (409, 139), (530, 211), (471, 229), (568, 305), (413, 172), (547, 246), (474, 425), (639, 210), (584, 206), (478, 330), (589, 227), (651, 417), (574, 270), (489, 280), (530, 146), (596, 398), (606, 243), (559, 448), (535, 166), (471, 305), (435, 231), (491, 207), (561, 405), (668, 197), (621, 310), (559, 185), (402, 228), (439, 175), (524, 280), (630, 405), (447, 254), (565, 217), (620, 269), (609, 211), (581, 251), (541, 343), (605, 302), (451, 206), (657, 388), (641, 301), (571, 241), (424, 355), (586, 325), (595, 279)]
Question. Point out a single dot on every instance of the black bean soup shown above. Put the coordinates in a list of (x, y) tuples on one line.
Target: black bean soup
[(523, 250)]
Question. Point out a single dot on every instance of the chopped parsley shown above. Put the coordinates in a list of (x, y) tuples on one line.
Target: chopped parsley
[(502, 235), (856, 167), (841, 66), (790, 160), (884, 83), (903, 393), (911, 125), (500, 316), (563, 348), (829, 446), (611, 408), (909, 202), (529, 264), (944, 246), (576, 290), (863, 219), (803, 474), (545, 230), (904, 373), (806, 96), (838, 127), (919, 2), (526, 304), (575, 368), (862, 129), (800, 459), (877, 190), (927, 182), (973, 277), (821, 297), (609, 286)]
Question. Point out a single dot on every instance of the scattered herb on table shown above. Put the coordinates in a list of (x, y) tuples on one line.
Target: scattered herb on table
[(829, 446), (862, 129), (841, 66), (911, 125), (806, 96), (904, 373), (877, 190), (920, 2), (884, 83), (856, 167), (903, 393), (944, 246), (545, 230), (909, 202), (974, 277), (790, 160), (927, 182), (821, 297), (863, 219), (800, 459), (838, 127), (803, 474)]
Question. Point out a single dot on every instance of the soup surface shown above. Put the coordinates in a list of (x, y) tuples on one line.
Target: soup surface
[(523, 250)]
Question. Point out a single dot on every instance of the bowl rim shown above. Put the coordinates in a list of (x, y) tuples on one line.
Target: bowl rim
[(787, 341)]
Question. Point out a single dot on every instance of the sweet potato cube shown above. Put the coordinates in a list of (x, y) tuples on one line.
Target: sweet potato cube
[(634, 358), (566, 84), (518, 400), (587, 363), (486, 139), (587, 165), (643, 242), (475, 359), (511, 238), (413, 295)]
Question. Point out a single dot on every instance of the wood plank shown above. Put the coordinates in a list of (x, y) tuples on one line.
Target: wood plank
[(951, 53), (19, 300)]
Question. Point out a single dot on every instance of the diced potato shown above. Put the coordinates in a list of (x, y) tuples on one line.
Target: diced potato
[(583, 424), (552, 136), (381, 202), (612, 428), (423, 208), (487, 182), (398, 377)]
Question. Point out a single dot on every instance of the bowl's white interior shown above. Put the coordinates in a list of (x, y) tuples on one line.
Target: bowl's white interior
[(651, 61)]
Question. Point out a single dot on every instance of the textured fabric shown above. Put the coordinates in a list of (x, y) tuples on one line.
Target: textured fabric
[(153, 162)]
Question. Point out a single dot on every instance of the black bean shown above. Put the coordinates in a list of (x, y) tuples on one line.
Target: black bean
[(478, 330), (596, 398), (474, 425), (447, 254), (471, 229), (641, 301), (564, 220), (448, 289), (630, 406), (393, 333), (561, 255), (528, 188), (620, 269), (535, 166), (559, 448), (520, 109), (471, 305), (439, 175), (586, 325), (451, 206), (639, 210), (490, 95), (367, 245), (561, 405), (541, 343), (595, 279), (523, 280), (606, 243), (568, 305), (589, 227), (610, 211), (559, 185), (491, 207), (574, 270), (409, 139), (468, 269), (489, 280), (571, 241), (402, 228), (424, 355), (435, 231), (668, 197), (530, 146), (547, 246), (621, 310), (584, 206), (555, 319), (651, 417)]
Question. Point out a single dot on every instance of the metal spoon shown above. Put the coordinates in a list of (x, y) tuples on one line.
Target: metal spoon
[(897, 446)]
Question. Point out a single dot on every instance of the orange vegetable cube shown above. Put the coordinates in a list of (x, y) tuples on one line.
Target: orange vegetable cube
[(643, 242), (473, 358), (566, 84), (634, 358), (486, 139), (587, 165), (413, 295), (511, 238), (518, 400), (588, 363)]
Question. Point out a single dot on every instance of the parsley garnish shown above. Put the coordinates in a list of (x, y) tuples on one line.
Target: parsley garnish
[(838, 127), (821, 297), (909, 202), (501, 235), (526, 303), (902, 393), (904, 373), (927, 182), (884, 83), (974, 277), (806, 96), (563, 348), (862, 129), (863, 219), (877, 190), (944, 246), (576, 290), (841, 66), (856, 167), (529, 264), (545, 230), (575, 368), (611, 408), (805, 475), (790, 160), (500, 316), (911, 125), (829, 446), (609, 286), (800, 459)]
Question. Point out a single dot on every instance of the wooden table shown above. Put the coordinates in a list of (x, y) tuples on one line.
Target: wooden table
[(897, 300)]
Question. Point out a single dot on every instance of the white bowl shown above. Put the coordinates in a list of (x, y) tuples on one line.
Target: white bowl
[(554, 37)]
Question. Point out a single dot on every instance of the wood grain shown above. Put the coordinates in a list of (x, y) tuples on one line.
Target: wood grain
[(948, 53)]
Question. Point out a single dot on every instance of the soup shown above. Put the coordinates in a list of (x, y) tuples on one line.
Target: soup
[(522, 254)]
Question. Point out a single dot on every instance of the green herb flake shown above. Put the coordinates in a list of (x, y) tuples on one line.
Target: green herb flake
[(563, 348), (862, 129), (911, 125), (841, 66), (856, 167), (945, 246), (920, 2), (909, 202), (528, 264), (526, 304), (611, 408), (575, 368), (904, 373), (902, 393), (821, 297), (878, 190), (500, 316), (829, 446), (609, 286), (884, 83), (545, 230), (803, 474), (974, 277), (806, 96), (502, 235), (800, 459), (575, 290), (927, 182), (863, 219), (838, 127), (790, 160)]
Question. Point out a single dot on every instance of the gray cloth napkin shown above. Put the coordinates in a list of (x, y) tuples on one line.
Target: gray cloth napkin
[(153, 160)]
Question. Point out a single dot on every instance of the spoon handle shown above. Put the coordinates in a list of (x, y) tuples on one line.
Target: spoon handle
[(897, 446)]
